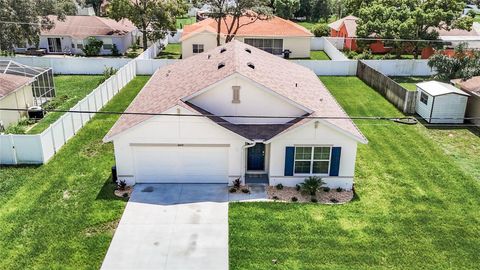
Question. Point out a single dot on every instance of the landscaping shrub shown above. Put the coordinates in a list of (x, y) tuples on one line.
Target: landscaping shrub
[(339, 189), (55, 102), (245, 190), (232, 190), (311, 185), (20, 127), (326, 189), (334, 200), (297, 187), (275, 197), (107, 73), (313, 199), (115, 51), (122, 185), (237, 183), (93, 46), (125, 195), (279, 186), (364, 55), (294, 199), (321, 30)]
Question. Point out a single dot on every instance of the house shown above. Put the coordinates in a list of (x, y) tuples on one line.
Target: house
[(472, 87), (235, 112), (274, 35), (70, 36), (16, 93), (346, 28), (441, 103)]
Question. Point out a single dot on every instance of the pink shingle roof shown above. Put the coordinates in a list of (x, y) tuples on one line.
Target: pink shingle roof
[(9, 83), (471, 85), (171, 84), (84, 26)]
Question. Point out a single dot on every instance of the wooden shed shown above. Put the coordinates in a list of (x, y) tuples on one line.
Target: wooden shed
[(441, 103)]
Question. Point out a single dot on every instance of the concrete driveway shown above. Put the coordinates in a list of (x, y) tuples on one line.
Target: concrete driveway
[(172, 226)]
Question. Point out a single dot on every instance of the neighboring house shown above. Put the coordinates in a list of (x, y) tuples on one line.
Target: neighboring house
[(70, 36), (16, 93), (469, 8), (471, 86), (274, 36), (441, 103), (346, 28), (216, 142)]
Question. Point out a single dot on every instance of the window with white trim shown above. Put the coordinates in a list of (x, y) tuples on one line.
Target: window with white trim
[(312, 159), (107, 43), (424, 98), (197, 48)]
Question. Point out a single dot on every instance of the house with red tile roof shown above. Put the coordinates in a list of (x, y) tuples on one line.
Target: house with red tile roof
[(274, 35), (235, 112), (69, 36)]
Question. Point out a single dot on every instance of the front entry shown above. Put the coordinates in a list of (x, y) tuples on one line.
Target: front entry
[(256, 157)]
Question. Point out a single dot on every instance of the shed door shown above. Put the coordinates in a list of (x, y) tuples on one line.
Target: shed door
[(181, 164)]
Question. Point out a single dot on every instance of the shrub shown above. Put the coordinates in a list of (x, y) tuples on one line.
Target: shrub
[(365, 55), (125, 195), (122, 185), (275, 197), (321, 30), (237, 183), (245, 190), (20, 127), (472, 13), (107, 73), (132, 54), (311, 185), (313, 199), (232, 190), (93, 46), (352, 54), (279, 186), (334, 200), (115, 51), (297, 187), (326, 189), (339, 189), (294, 199), (55, 102)]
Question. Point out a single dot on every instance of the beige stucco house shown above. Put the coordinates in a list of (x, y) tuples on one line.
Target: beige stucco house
[(16, 93), (471, 86), (274, 35)]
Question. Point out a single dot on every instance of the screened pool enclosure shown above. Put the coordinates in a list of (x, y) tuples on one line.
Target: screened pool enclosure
[(43, 87)]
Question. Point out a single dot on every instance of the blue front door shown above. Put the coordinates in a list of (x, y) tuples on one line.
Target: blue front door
[(256, 157)]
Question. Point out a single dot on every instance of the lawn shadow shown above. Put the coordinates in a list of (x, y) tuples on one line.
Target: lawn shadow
[(21, 166), (107, 191), (467, 126)]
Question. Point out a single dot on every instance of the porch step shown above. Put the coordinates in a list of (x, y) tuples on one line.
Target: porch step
[(256, 179)]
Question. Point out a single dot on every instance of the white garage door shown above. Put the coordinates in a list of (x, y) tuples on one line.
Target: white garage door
[(181, 164)]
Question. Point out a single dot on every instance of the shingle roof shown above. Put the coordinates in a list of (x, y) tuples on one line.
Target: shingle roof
[(9, 83), (350, 24), (169, 85), (471, 85), (275, 26), (84, 26), (435, 88)]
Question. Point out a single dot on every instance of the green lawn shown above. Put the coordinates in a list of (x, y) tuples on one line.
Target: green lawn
[(477, 19), (417, 204), (409, 83), (315, 55), (182, 21), (171, 51), (70, 90), (62, 215)]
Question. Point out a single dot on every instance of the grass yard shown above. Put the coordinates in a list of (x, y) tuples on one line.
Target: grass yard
[(171, 51), (181, 22), (70, 89), (315, 55), (477, 19), (409, 83), (417, 204), (62, 215)]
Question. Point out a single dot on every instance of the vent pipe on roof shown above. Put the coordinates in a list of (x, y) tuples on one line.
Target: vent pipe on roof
[(296, 84), (222, 50), (248, 50), (251, 65), (221, 65)]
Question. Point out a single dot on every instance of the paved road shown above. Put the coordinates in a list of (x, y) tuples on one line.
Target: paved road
[(172, 226)]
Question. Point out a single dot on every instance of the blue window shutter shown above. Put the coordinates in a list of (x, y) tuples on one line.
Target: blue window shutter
[(335, 161), (289, 159)]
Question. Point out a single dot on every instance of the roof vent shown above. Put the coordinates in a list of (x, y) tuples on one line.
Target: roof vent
[(222, 50), (221, 65), (251, 65), (248, 50), (296, 84), (209, 56)]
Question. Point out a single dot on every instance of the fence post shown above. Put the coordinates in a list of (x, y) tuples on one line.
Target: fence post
[(63, 129), (73, 124), (14, 151), (53, 139)]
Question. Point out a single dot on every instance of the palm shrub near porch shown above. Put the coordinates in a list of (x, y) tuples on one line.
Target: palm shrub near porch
[(311, 185)]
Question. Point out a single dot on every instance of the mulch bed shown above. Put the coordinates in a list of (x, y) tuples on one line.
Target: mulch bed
[(287, 193), (121, 193)]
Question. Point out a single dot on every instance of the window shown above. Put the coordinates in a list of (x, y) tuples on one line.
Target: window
[(80, 46), (273, 46), (312, 160), (107, 46), (424, 98), (107, 43), (236, 94), (197, 48)]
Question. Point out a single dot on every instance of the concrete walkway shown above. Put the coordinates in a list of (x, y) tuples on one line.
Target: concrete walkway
[(172, 226)]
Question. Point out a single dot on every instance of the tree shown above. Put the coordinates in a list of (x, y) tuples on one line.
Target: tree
[(321, 30), (93, 47), (410, 20), (154, 18), (229, 14), (286, 8), (320, 10), (305, 9), (463, 64), (22, 20), (96, 4)]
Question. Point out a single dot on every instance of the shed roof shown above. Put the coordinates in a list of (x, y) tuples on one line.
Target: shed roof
[(435, 88), (170, 85), (471, 85), (9, 83)]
